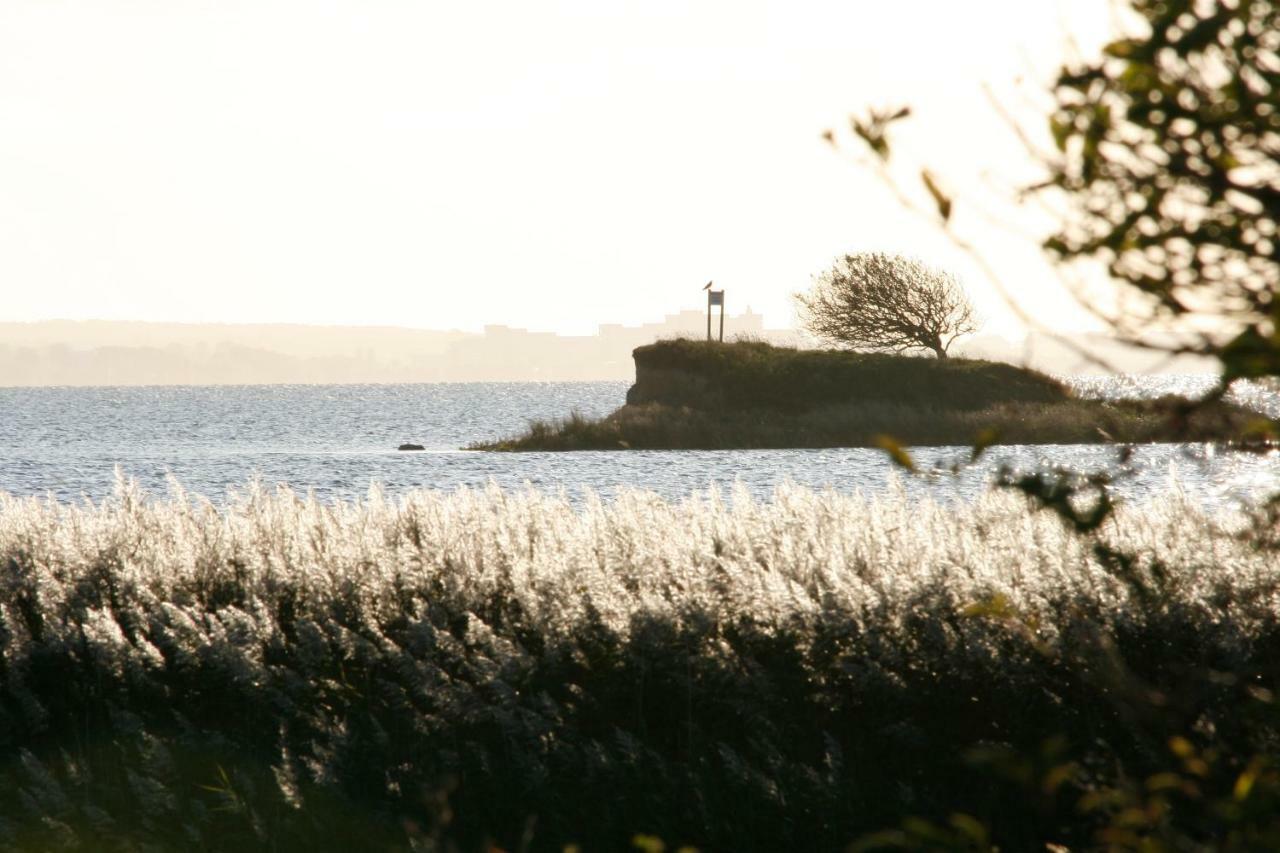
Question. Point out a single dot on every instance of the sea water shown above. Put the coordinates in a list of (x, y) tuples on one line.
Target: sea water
[(338, 440)]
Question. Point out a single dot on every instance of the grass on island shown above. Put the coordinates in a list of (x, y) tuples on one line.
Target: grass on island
[(695, 395), (757, 375), (490, 670), (653, 426)]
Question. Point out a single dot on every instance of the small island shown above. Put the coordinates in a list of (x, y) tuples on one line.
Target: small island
[(703, 395)]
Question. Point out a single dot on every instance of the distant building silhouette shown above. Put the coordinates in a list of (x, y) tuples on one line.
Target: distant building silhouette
[(128, 353), (131, 353), (507, 353)]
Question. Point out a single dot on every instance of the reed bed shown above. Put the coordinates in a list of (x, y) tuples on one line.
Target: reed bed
[(452, 671)]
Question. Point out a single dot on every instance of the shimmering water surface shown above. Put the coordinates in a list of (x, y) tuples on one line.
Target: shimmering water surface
[(339, 439)]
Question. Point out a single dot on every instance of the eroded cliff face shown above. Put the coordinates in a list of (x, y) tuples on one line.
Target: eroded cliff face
[(672, 386)]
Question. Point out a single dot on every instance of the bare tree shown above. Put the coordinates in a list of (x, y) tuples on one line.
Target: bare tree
[(886, 302)]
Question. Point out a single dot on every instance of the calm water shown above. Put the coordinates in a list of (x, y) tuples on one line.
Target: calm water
[(337, 440)]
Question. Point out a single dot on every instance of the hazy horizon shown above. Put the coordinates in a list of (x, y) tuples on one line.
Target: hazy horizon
[(111, 353)]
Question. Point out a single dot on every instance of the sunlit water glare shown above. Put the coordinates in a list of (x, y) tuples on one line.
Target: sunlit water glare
[(337, 440)]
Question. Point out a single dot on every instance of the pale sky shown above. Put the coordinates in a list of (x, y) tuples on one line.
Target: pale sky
[(549, 165)]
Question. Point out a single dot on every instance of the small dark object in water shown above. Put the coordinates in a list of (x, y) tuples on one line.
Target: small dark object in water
[(411, 447)]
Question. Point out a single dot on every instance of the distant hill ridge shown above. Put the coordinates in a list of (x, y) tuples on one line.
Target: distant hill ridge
[(109, 352)]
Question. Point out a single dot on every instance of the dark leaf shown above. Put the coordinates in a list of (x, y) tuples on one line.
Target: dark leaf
[(941, 199)]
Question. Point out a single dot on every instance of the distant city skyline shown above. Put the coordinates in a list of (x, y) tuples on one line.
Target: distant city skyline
[(71, 352), (140, 353), (683, 315)]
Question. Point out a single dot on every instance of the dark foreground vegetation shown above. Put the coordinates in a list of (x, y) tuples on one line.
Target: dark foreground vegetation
[(501, 670), (702, 395)]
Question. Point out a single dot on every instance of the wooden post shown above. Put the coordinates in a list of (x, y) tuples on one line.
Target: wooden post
[(708, 315), (715, 297)]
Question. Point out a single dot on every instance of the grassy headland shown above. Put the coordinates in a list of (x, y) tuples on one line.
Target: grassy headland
[(697, 395)]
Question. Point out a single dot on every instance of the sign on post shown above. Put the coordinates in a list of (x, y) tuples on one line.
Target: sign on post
[(714, 297)]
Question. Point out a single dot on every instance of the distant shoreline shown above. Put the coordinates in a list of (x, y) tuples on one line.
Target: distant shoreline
[(127, 354)]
